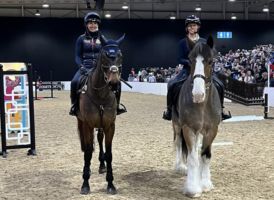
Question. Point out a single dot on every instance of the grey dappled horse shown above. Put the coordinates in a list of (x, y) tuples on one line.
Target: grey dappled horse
[(198, 112), (97, 109)]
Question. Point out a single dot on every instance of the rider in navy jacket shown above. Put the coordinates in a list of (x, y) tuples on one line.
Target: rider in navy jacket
[(192, 25), (87, 49)]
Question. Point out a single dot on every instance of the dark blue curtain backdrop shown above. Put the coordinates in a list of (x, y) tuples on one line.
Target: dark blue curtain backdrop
[(49, 43)]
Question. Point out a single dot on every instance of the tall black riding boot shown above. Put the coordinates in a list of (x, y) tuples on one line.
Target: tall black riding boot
[(168, 112), (74, 102), (117, 91), (220, 88)]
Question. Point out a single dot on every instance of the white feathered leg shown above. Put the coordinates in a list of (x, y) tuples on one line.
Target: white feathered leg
[(192, 186), (206, 183), (180, 165)]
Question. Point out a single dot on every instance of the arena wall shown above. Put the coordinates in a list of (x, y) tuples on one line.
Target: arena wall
[(48, 43), (161, 89)]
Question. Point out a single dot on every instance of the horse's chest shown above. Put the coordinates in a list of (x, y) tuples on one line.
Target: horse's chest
[(98, 113)]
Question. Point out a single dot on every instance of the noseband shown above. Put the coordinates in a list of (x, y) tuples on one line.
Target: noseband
[(208, 80)]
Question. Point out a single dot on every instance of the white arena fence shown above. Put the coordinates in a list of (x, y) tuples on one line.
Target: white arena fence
[(161, 89)]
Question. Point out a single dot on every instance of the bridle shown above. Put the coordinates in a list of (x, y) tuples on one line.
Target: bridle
[(102, 67), (208, 80)]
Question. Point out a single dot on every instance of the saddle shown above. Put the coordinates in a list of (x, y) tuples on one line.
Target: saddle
[(82, 86)]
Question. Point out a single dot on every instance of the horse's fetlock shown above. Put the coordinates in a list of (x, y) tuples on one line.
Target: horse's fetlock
[(86, 176)]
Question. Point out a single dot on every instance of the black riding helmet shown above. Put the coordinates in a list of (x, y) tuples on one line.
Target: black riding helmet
[(92, 17), (192, 19)]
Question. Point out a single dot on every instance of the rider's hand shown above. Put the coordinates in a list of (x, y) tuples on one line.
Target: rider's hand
[(83, 70)]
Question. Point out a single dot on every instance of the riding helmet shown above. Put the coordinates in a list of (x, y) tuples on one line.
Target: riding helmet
[(92, 17), (192, 19)]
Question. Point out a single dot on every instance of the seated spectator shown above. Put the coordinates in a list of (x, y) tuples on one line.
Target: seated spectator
[(130, 78), (151, 78), (132, 71), (263, 78), (249, 78), (159, 78), (242, 76)]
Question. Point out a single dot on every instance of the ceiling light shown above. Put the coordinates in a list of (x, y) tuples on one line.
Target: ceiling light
[(198, 7), (265, 8), (233, 17), (172, 17), (45, 5), (108, 15), (125, 6), (231, 0), (37, 13)]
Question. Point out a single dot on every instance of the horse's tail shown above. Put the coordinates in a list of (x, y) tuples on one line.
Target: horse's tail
[(86, 136)]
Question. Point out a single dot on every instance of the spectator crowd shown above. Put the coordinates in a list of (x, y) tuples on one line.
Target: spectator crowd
[(249, 66)]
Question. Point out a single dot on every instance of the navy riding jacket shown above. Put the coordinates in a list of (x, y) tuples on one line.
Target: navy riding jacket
[(185, 46), (184, 49), (87, 49)]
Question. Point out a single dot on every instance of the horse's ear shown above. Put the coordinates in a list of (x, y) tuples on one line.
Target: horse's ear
[(121, 39), (104, 40), (210, 41)]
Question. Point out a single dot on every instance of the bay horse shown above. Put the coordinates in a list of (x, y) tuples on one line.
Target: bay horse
[(97, 109), (198, 112)]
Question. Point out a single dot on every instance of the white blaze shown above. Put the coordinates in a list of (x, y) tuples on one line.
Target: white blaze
[(198, 90)]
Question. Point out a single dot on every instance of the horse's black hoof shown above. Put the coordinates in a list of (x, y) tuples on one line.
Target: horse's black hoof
[(167, 115), (111, 190), (102, 170), (85, 190)]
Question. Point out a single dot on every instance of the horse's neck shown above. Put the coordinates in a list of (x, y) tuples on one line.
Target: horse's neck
[(188, 84), (98, 76), (186, 90), (97, 83)]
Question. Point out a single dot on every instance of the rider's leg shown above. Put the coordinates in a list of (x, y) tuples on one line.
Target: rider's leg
[(117, 91), (168, 112), (73, 94), (171, 91), (220, 88)]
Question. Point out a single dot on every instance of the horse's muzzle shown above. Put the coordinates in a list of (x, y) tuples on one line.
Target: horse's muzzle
[(198, 98), (114, 74), (198, 91), (114, 69)]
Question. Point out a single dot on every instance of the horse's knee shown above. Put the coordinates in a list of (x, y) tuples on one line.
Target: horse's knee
[(88, 148)]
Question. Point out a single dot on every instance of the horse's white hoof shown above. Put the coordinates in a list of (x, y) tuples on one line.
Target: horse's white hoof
[(192, 192), (207, 187), (181, 169), (193, 195)]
